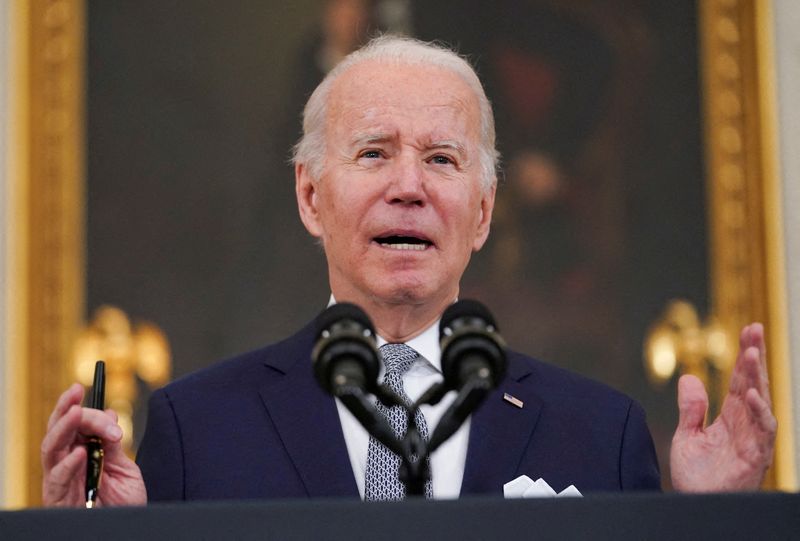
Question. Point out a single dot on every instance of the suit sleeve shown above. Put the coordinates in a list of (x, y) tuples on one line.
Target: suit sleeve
[(638, 462), (160, 455)]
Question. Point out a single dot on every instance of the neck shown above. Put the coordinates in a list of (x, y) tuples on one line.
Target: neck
[(400, 321)]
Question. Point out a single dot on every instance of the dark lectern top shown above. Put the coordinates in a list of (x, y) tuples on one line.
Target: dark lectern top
[(617, 517)]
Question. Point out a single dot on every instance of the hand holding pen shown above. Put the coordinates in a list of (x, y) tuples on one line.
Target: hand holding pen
[(65, 457)]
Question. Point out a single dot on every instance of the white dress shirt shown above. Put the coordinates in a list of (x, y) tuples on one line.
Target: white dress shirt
[(447, 462)]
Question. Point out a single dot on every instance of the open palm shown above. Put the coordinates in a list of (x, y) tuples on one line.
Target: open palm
[(734, 452)]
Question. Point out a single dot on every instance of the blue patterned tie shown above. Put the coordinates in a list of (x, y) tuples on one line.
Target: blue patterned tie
[(382, 481)]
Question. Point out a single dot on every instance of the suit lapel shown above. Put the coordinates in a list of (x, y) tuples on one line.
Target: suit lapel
[(308, 423), (307, 420), (499, 435)]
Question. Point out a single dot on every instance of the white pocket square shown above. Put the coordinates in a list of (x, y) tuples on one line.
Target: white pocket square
[(524, 487)]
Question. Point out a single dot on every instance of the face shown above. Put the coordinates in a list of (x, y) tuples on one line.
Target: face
[(399, 206)]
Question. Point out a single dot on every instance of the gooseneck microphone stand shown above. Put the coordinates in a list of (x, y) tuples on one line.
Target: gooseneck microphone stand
[(412, 448), (346, 365)]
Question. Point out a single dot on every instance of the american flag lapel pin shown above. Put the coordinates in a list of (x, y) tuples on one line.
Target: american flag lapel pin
[(513, 400)]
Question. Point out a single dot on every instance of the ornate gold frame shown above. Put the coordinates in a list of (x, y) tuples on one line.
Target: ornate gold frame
[(48, 187), (743, 187), (746, 243)]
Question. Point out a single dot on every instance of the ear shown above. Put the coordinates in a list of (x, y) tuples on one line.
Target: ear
[(485, 219), (306, 191)]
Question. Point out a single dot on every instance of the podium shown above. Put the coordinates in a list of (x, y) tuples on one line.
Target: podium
[(618, 517)]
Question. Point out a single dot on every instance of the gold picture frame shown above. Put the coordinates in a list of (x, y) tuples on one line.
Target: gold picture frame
[(47, 187), (743, 186), (49, 201)]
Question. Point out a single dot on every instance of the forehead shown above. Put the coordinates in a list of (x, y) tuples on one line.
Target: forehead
[(429, 100)]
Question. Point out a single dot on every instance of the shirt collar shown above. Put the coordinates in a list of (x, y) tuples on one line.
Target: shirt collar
[(426, 343)]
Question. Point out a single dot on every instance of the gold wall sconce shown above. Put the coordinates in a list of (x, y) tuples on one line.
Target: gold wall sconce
[(678, 342), (131, 352)]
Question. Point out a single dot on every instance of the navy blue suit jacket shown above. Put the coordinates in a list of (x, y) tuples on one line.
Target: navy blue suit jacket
[(259, 426)]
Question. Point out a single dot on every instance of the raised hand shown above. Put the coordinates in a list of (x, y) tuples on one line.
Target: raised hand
[(734, 452), (64, 456)]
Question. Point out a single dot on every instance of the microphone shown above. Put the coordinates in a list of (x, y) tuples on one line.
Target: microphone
[(345, 355), (346, 364), (473, 363), (472, 350)]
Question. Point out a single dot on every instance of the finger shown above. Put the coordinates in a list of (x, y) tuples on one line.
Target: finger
[(77, 420), (736, 385), (114, 452), (762, 382), (749, 335), (753, 374), (112, 414), (750, 369), (116, 459), (753, 336), (761, 412), (60, 437), (758, 340), (692, 404), (60, 478), (99, 423), (744, 338), (70, 397), (112, 446)]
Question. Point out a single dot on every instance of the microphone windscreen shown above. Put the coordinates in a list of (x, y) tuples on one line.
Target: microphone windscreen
[(466, 308), (340, 312)]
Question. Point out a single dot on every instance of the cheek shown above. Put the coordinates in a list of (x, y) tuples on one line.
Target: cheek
[(352, 204), (341, 223), (463, 217), (331, 205)]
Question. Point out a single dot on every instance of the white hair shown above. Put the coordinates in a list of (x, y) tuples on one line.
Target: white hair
[(310, 150)]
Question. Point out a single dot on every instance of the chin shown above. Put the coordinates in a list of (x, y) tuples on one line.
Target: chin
[(409, 292), (395, 289), (408, 296)]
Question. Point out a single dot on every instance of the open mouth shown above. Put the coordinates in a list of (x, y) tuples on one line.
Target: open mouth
[(403, 242)]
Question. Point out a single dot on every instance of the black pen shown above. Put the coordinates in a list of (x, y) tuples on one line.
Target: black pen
[(94, 445)]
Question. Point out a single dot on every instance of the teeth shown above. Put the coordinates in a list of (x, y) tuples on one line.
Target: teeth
[(404, 246)]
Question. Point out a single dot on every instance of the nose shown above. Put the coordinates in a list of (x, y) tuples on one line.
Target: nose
[(406, 183)]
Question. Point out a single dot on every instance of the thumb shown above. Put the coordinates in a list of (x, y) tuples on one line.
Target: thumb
[(692, 404)]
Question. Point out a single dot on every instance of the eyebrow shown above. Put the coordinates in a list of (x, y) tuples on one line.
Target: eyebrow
[(448, 143), (384, 137), (371, 138)]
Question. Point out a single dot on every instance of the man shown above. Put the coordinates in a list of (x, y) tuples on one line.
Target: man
[(395, 175)]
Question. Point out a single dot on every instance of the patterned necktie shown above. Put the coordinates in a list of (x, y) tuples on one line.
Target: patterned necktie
[(382, 481)]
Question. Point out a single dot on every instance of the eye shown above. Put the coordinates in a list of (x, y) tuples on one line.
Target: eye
[(441, 159), (370, 154)]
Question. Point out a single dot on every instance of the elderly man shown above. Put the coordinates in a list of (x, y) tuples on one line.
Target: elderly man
[(395, 175)]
